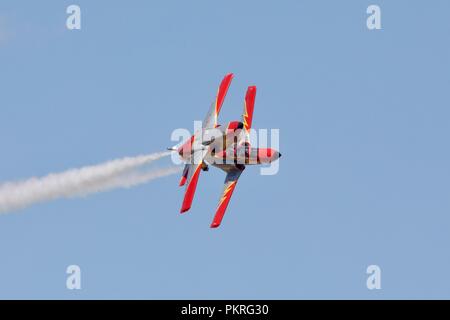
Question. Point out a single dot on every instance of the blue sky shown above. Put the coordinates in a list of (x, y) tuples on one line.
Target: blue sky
[(364, 127)]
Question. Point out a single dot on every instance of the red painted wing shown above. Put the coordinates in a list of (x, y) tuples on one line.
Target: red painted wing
[(230, 183), (249, 105), (211, 118), (222, 92)]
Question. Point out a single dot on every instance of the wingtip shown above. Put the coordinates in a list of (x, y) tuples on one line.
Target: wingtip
[(184, 209), (214, 225), (228, 78), (182, 181)]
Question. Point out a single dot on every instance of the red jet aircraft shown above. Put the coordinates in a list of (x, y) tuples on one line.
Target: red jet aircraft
[(227, 148)]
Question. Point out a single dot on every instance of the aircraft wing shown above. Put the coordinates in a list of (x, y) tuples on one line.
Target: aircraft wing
[(193, 172), (230, 183), (211, 118), (249, 105)]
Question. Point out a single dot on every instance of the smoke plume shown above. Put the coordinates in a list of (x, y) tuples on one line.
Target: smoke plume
[(119, 173)]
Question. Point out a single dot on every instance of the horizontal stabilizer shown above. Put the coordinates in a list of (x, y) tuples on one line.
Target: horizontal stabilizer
[(191, 185)]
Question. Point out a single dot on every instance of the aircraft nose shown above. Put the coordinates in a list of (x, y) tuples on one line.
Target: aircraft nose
[(276, 155)]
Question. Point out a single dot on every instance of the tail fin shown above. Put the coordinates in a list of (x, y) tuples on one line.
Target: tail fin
[(192, 178)]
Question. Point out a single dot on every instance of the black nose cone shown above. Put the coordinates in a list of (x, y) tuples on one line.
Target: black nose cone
[(279, 154)]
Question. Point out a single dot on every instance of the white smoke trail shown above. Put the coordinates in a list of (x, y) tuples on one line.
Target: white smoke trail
[(129, 179), (79, 182)]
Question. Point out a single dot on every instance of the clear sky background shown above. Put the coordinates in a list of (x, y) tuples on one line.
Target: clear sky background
[(364, 131)]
